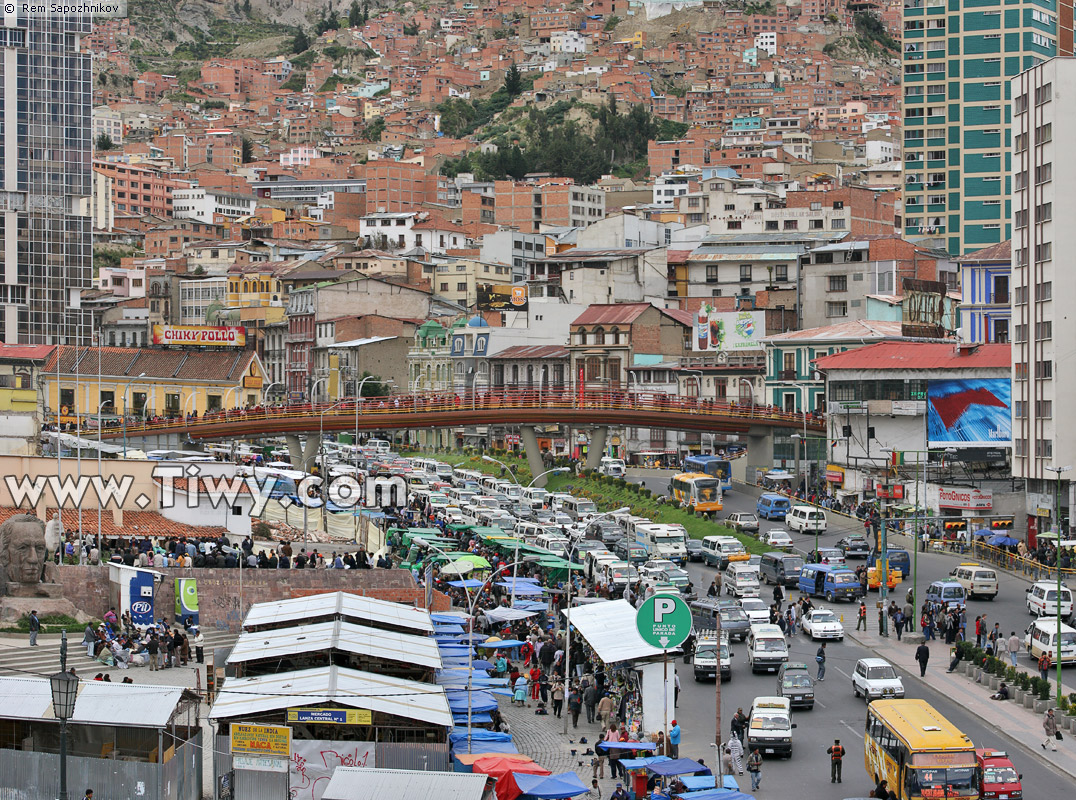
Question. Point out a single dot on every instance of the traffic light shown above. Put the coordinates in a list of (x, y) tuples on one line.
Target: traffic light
[(956, 525), (1001, 524)]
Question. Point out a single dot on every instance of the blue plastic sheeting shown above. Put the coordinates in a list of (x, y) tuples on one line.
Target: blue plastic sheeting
[(677, 766), (477, 735), (504, 748), (716, 794), (480, 664), (502, 692), (506, 644), (549, 787), (631, 746), (697, 783), (522, 588), (530, 605), (641, 763), (478, 717), (451, 619), (470, 583), (480, 701), (443, 629)]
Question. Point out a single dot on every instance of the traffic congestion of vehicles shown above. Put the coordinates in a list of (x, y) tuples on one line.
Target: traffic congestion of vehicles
[(622, 554)]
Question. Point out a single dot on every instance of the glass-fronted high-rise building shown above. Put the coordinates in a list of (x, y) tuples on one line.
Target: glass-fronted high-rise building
[(958, 58), (46, 245)]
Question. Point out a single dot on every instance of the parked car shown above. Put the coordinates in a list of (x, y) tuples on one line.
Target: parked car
[(694, 549), (854, 546), (826, 555), (794, 682), (777, 539), (874, 678), (821, 623), (742, 521)]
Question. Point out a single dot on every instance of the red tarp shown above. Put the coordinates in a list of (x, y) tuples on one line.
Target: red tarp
[(501, 769)]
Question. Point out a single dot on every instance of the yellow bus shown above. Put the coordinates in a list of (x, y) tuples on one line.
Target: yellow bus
[(918, 751), (697, 491)]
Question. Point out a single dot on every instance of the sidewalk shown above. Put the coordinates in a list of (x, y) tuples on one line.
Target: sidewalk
[(1021, 724)]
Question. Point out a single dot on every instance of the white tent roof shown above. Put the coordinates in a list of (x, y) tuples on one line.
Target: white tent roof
[(338, 635), (609, 627), (343, 604), (242, 697), (359, 783), (97, 703)]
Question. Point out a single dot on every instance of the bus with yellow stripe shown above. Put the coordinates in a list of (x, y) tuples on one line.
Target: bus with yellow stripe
[(920, 754), (697, 491)]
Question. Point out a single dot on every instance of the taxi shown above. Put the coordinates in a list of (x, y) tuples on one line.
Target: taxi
[(998, 778)]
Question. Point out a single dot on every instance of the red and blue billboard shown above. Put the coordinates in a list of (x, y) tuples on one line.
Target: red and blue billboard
[(969, 412)]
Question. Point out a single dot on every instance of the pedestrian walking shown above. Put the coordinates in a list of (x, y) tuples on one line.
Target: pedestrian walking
[(754, 769), (590, 701), (594, 792), (861, 621), (736, 749), (35, 628), (820, 657), (1053, 733), (606, 708), (1001, 646), (619, 793), (1014, 647), (575, 704), (1045, 662), (836, 758), (558, 698), (922, 655), (674, 740), (726, 762), (778, 596)]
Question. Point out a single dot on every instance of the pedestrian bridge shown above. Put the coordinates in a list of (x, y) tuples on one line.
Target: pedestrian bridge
[(584, 409)]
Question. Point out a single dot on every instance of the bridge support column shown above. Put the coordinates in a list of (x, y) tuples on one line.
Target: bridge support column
[(596, 448), (759, 450), (534, 454), (303, 453)]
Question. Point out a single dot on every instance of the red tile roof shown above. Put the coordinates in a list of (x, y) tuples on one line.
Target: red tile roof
[(1002, 251), (30, 352), (135, 523), (174, 365), (611, 313), (919, 356)]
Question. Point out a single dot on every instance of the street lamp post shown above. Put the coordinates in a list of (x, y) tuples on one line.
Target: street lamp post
[(125, 388), (573, 543), (358, 401), (100, 408), (324, 475), (64, 687), (493, 460), (554, 471), (1057, 558)]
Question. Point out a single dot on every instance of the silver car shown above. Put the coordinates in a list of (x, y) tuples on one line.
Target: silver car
[(742, 521)]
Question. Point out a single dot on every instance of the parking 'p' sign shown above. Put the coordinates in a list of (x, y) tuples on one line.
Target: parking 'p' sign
[(664, 621)]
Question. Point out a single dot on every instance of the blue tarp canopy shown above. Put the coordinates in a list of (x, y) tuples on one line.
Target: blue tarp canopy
[(698, 782), (475, 717), (1001, 540), (480, 701), (448, 629), (470, 583), (677, 766), (529, 605), (716, 794), (630, 746), (477, 735), (641, 763), (455, 618), (505, 748), (507, 644), (548, 787), (522, 588)]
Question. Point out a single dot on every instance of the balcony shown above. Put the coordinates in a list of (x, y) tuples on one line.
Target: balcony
[(998, 299), (787, 374)]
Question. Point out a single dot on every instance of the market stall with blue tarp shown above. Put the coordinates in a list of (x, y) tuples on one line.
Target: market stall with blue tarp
[(675, 766), (542, 787), (480, 701), (716, 794)]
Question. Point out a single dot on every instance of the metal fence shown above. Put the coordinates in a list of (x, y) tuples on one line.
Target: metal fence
[(36, 776)]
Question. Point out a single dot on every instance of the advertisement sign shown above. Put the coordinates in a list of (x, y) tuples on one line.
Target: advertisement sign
[(722, 331), (200, 335), (834, 474), (260, 763), (331, 716), (895, 492), (273, 741), (969, 412), (141, 588), (187, 599), (965, 499), (498, 297)]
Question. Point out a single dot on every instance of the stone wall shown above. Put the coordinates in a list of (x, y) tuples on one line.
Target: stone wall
[(221, 606)]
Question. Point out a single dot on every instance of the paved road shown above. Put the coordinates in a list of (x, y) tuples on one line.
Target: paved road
[(837, 714)]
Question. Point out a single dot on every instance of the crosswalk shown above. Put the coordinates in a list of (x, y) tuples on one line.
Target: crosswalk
[(18, 658)]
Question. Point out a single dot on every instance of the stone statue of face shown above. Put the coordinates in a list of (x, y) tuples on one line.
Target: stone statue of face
[(23, 550)]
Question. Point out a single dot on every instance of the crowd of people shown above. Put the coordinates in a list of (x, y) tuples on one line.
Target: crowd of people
[(117, 642)]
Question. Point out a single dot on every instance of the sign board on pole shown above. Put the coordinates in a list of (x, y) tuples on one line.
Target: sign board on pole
[(260, 763), (664, 621), (273, 741), (331, 716)]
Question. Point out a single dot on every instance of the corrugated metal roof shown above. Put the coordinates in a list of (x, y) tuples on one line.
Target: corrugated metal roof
[(1002, 251), (344, 605), (618, 313), (240, 697), (766, 239), (98, 703), (577, 254), (337, 635), (739, 255), (359, 342), (856, 330), (359, 783), (920, 355), (525, 351), (609, 628)]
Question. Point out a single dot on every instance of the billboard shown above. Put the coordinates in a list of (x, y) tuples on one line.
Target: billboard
[(200, 335), (723, 331), (499, 297), (969, 412), (187, 600)]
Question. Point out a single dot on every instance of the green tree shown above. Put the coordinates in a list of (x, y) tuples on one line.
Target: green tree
[(375, 129), (103, 142), (410, 30), (246, 7), (300, 43), (375, 387), (365, 11), (354, 15), (513, 81), (248, 150)]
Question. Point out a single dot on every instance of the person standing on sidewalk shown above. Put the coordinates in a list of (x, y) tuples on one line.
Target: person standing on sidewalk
[(820, 657), (89, 640), (674, 740), (153, 647), (898, 622), (1045, 662), (575, 704), (1049, 725), (836, 757), (861, 621), (590, 701), (199, 645), (754, 768), (922, 655), (35, 628), (1014, 647), (1001, 645)]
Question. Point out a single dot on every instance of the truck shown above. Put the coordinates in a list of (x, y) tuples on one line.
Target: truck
[(662, 541), (711, 656)]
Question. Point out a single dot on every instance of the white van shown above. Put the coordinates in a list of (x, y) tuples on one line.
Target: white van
[(720, 551), (766, 648), (769, 727), (595, 561), (578, 507), (741, 580), (535, 495), (427, 465), (1042, 600), (806, 519), (977, 580), (612, 467), (1041, 636), (555, 543), (377, 445), (618, 574)]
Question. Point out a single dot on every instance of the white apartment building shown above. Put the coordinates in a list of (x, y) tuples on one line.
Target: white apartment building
[(197, 295), (567, 42), (108, 122), (767, 41), (1043, 288), (206, 205), (672, 185)]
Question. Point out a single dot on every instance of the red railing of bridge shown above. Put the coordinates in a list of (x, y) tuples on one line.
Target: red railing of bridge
[(523, 399)]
